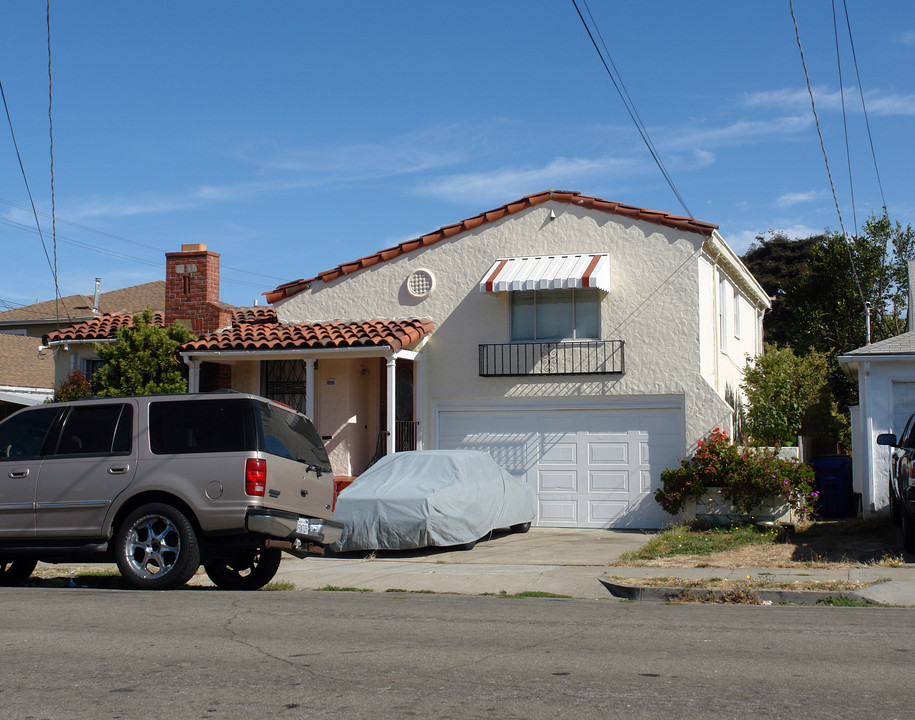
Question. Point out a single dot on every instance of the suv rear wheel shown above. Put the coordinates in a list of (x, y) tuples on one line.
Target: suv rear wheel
[(156, 548), (249, 570), (15, 572)]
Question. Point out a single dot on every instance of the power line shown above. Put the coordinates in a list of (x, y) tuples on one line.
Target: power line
[(627, 100), (51, 153), (851, 259), (127, 240), (27, 189), (851, 183), (867, 123)]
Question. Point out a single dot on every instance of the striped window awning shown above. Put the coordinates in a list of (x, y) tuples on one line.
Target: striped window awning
[(548, 272)]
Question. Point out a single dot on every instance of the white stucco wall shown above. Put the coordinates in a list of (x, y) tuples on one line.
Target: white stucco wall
[(654, 306), (876, 415)]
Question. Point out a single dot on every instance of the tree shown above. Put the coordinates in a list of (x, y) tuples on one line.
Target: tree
[(141, 360), (829, 304), (779, 264), (821, 285), (74, 387), (782, 390)]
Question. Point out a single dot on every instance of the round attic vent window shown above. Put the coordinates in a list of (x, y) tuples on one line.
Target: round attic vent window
[(421, 283)]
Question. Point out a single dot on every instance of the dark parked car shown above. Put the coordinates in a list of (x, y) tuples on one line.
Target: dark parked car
[(163, 484), (902, 482), (431, 497)]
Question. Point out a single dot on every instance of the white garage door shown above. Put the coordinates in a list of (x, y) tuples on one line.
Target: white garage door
[(590, 467)]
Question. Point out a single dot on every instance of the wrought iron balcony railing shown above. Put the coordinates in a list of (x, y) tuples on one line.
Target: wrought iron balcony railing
[(594, 357)]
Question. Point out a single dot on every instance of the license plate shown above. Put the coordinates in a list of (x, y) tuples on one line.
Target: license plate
[(304, 526)]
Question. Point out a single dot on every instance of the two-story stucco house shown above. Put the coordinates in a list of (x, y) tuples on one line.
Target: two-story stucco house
[(587, 345)]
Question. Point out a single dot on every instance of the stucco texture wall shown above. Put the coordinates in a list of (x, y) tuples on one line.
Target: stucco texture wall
[(653, 306)]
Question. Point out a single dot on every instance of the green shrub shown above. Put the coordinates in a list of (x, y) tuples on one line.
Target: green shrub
[(747, 477)]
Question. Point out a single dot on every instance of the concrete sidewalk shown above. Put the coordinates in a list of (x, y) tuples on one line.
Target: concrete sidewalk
[(561, 561)]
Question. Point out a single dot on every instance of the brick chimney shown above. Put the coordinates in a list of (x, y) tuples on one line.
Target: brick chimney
[(192, 289)]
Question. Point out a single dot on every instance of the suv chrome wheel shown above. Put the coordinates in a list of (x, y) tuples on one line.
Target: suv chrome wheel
[(157, 548)]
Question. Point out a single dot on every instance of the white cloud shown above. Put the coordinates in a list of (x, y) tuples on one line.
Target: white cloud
[(500, 183), (878, 102), (907, 37), (795, 198), (423, 150), (739, 132)]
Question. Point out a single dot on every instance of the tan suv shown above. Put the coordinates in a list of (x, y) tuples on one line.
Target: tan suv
[(161, 484)]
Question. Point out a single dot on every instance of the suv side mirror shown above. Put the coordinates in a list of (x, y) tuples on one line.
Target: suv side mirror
[(887, 439)]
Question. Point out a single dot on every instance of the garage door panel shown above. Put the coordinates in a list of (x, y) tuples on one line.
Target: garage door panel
[(608, 481), (562, 513), (557, 481), (645, 477), (559, 452), (602, 511), (608, 452)]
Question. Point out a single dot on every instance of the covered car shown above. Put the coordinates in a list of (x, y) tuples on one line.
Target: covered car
[(431, 497)]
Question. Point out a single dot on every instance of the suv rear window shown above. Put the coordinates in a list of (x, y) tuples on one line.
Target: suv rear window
[(201, 426), (290, 435)]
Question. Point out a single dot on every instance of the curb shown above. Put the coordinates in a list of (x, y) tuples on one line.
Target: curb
[(641, 593)]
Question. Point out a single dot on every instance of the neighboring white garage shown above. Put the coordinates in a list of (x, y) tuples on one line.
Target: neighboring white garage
[(592, 467)]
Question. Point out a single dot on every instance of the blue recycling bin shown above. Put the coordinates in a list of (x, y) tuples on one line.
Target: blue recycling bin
[(834, 483)]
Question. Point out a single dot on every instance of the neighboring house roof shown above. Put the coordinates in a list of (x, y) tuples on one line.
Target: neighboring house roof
[(100, 328), (22, 365), (687, 224), (396, 334), (129, 299), (903, 344)]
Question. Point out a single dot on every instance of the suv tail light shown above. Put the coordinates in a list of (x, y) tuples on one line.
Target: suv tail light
[(255, 477)]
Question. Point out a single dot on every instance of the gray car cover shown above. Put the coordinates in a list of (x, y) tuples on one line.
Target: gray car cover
[(430, 497)]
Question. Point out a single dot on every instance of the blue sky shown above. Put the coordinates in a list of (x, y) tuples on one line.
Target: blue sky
[(293, 136)]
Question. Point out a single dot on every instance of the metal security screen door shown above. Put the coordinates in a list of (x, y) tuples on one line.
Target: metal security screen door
[(284, 381)]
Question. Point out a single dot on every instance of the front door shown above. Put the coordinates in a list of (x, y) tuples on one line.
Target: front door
[(93, 462), (22, 438)]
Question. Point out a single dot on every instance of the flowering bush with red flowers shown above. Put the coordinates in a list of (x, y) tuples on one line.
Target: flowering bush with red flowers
[(746, 477)]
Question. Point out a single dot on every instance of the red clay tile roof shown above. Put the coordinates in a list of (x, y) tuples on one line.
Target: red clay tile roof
[(257, 314), (106, 326), (395, 334), (100, 328), (687, 224)]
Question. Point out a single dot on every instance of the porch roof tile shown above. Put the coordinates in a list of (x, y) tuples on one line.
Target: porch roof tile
[(102, 327), (396, 334)]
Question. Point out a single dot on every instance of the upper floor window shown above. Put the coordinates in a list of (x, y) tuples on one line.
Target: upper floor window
[(553, 315)]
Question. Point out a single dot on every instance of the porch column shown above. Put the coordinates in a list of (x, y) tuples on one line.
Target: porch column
[(418, 398), (310, 388), (193, 376), (391, 367)]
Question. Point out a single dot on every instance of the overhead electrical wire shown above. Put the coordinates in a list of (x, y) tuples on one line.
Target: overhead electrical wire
[(123, 239), (797, 35), (51, 153), (867, 123), (617, 81), (28, 190), (851, 183)]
